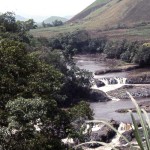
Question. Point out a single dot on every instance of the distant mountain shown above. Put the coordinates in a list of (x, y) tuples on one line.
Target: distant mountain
[(68, 17), (53, 18), (20, 18), (107, 13)]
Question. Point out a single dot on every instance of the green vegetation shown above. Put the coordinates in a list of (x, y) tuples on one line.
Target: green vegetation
[(53, 18), (42, 93), (54, 24), (118, 32), (38, 93), (145, 124), (80, 42), (110, 13), (53, 21), (112, 18), (95, 6)]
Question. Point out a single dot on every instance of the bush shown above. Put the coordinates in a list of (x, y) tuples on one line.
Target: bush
[(143, 55)]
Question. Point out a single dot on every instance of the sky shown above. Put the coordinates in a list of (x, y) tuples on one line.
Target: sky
[(44, 8)]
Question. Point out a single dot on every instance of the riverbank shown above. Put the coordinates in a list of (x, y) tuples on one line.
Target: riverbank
[(115, 79), (124, 68), (111, 65), (139, 76), (142, 105), (137, 91)]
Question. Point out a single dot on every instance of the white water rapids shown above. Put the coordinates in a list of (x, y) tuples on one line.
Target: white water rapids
[(107, 110), (109, 86)]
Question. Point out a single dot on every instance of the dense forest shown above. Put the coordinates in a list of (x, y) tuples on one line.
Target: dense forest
[(80, 42), (41, 90)]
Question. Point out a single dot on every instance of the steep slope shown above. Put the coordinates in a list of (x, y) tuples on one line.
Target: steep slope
[(53, 18), (93, 7), (108, 13), (140, 12)]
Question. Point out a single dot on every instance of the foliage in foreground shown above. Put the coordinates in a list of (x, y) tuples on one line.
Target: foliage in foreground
[(142, 139)]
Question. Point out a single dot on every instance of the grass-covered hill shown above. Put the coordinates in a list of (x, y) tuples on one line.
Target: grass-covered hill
[(116, 19), (108, 13), (90, 9), (53, 18)]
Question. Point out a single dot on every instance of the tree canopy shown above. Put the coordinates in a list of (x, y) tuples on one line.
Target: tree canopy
[(37, 89)]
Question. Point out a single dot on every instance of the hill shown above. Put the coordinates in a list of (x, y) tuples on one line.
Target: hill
[(116, 19), (108, 13), (53, 18), (90, 9), (20, 18)]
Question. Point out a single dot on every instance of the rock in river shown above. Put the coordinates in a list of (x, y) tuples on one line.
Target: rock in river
[(105, 134), (98, 96)]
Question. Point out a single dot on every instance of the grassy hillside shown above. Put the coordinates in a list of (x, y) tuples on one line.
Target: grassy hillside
[(109, 13), (141, 33), (53, 18), (115, 19), (90, 9)]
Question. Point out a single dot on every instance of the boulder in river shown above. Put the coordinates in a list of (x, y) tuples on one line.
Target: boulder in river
[(99, 83), (105, 134), (128, 134), (98, 96)]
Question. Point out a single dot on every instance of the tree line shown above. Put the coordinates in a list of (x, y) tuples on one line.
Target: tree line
[(53, 24), (80, 42)]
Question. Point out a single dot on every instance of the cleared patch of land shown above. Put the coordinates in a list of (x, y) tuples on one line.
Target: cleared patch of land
[(54, 31), (141, 33)]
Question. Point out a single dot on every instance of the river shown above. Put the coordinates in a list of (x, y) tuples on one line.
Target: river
[(106, 110)]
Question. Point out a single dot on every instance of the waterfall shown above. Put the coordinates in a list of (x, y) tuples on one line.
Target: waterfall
[(115, 80), (121, 80), (110, 84), (123, 127), (105, 81), (97, 127), (94, 127)]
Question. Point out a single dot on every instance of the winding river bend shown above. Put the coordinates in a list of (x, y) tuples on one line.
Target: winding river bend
[(106, 110)]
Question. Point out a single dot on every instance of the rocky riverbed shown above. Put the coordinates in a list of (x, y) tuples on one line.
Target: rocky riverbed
[(113, 139), (139, 77), (117, 69), (105, 107), (143, 105), (137, 91)]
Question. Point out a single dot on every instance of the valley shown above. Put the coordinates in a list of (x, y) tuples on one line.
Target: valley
[(79, 83)]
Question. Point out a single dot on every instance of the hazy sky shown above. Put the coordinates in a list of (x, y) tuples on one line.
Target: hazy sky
[(44, 8)]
